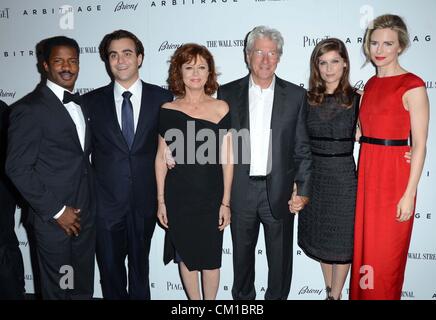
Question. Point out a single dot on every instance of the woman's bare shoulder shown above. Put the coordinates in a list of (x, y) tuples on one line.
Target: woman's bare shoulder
[(221, 106), (170, 105)]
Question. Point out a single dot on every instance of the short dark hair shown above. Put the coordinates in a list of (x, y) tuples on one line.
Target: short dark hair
[(185, 54), (117, 35), (48, 44)]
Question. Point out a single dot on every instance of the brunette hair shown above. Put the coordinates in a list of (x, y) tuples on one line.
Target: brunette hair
[(317, 88), (117, 35)]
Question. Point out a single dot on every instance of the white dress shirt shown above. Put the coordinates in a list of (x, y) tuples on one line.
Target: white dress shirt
[(76, 115), (260, 109), (136, 91)]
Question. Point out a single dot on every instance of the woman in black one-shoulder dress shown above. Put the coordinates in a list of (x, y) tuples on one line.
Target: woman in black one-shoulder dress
[(194, 196)]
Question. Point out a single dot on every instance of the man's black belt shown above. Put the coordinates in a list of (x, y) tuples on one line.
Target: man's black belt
[(384, 142), (258, 178)]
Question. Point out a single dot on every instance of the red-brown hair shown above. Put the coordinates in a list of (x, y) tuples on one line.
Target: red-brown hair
[(186, 54)]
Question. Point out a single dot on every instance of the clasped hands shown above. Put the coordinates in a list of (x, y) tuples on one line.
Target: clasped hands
[(297, 203)]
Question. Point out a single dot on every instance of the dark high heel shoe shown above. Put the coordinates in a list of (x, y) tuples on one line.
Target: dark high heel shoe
[(330, 297), (328, 291)]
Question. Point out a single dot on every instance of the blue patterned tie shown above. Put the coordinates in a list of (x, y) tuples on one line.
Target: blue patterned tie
[(127, 119)]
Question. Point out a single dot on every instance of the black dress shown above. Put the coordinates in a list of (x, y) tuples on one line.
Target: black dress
[(326, 224), (193, 189)]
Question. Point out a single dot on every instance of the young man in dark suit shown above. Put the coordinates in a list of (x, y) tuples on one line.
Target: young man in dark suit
[(124, 119), (48, 161), (11, 261), (270, 159)]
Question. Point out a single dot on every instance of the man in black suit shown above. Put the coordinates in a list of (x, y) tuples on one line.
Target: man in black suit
[(274, 155), (11, 261), (48, 161), (124, 119)]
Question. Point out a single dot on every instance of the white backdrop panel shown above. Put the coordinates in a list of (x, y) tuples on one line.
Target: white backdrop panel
[(222, 25)]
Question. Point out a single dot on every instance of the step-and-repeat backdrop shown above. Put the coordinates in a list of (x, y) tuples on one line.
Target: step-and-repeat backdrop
[(222, 25)]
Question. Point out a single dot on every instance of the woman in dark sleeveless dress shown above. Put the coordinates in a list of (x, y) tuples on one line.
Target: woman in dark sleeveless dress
[(325, 225), (194, 197)]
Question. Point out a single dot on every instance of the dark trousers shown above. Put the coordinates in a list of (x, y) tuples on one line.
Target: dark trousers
[(126, 239), (11, 261), (278, 241), (11, 271), (59, 254)]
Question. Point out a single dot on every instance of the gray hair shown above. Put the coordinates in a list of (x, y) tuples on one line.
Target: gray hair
[(261, 32)]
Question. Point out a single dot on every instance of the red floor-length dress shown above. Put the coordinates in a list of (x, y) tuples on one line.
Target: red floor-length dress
[(381, 242)]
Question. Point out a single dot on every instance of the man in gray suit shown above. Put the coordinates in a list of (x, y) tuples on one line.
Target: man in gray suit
[(274, 112)]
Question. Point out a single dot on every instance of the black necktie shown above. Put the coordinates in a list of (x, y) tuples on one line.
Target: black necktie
[(69, 97), (127, 119)]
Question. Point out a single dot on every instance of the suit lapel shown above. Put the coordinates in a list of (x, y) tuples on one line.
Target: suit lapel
[(240, 101), (277, 114), (109, 105), (86, 120), (142, 118), (278, 102), (87, 128), (243, 104), (59, 111)]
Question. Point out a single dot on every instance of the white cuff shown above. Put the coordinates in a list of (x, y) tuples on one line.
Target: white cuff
[(60, 213)]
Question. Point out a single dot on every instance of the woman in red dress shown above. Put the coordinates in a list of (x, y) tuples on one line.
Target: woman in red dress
[(394, 107)]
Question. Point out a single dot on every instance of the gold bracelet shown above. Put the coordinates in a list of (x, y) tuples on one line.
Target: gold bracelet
[(225, 205)]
